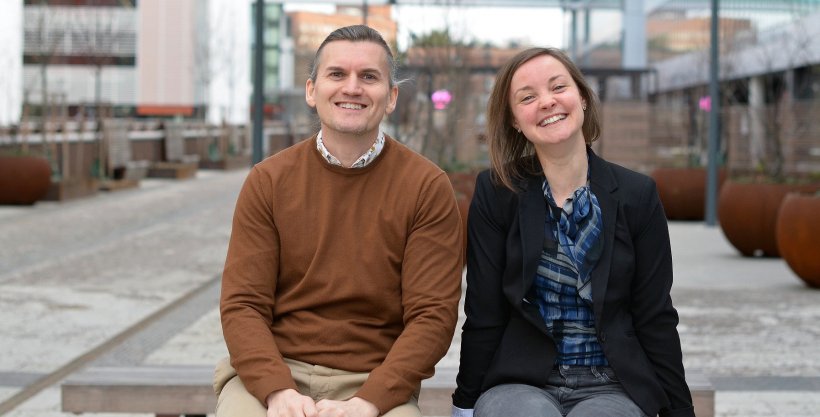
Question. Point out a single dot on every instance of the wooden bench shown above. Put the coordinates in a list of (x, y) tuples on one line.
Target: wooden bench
[(187, 390)]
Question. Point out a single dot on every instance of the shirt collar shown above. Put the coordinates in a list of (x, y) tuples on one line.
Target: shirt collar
[(363, 161)]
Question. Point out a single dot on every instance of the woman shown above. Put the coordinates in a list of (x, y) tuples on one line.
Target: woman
[(569, 265)]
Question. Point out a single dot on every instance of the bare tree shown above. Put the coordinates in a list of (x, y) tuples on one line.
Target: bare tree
[(217, 67), (438, 63), (44, 38), (767, 95)]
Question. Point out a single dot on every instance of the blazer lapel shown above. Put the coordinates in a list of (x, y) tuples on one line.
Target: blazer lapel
[(603, 185), (532, 212)]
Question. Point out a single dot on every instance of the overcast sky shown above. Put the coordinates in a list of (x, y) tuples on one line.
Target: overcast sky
[(544, 26), (498, 25)]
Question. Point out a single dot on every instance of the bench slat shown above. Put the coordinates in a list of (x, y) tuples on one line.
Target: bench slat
[(188, 390), (144, 375)]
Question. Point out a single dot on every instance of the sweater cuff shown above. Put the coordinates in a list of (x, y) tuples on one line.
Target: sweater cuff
[(382, 398)]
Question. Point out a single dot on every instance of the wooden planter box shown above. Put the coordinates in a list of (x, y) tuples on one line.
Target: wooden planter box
[(227, 163), (117, 185), (71, 188), (173, 170)]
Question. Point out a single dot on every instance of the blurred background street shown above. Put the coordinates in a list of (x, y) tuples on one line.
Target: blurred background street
[(128, 126)]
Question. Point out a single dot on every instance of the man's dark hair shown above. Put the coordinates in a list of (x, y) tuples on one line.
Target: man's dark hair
[(356, 33)]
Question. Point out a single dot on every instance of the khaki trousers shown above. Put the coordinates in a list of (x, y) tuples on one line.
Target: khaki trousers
[(316, 381)]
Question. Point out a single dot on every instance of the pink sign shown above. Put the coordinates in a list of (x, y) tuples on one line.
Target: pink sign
[(705, 103), (441, 98)]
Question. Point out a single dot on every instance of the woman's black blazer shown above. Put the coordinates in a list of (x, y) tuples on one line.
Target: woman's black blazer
[(504, 339)]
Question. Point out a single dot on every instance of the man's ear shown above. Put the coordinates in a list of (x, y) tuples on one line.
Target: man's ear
[(391, 101), (309, 90)]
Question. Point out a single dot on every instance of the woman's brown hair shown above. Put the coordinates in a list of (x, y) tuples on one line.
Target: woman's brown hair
[(508, 147)]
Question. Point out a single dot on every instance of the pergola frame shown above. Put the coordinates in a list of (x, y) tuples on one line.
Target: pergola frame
[(634, 54)]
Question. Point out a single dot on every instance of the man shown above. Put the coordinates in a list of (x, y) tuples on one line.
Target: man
[(341, 284)]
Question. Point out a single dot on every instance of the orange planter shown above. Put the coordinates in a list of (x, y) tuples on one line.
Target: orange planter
[(23, 179), (798, 236), (747, 213), (464, 186), (683, 191)]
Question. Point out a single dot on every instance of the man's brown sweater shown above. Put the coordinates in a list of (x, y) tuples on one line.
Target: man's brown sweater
[(353, 269)]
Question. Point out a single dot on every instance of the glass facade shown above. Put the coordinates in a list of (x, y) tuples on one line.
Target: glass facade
[(274, 21)]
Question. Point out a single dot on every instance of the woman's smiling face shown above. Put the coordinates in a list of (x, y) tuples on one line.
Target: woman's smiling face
[(546, 103)]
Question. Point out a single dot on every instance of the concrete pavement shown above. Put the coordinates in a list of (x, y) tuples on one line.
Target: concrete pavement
[(77, 274), (132, 277)]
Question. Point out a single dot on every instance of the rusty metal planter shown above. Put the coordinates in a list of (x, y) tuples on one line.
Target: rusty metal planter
[(747, 213), (683, 191), (798, 236), (23, 179), (464, 186)]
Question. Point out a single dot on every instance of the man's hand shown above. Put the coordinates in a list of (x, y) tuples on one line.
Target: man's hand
[(354, 407), (289, 403)]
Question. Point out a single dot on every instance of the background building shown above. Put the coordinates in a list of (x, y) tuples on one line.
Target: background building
[(309, 29), (194, 59), (77, 56), (145, 58), (191, 59), (673, 33), (769, 85), (277, 56)]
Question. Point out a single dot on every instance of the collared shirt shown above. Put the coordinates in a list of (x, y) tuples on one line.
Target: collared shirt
[(362, 161), (562, 279)]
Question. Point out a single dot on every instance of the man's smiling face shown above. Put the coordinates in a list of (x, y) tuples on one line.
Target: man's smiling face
[(352, 91)]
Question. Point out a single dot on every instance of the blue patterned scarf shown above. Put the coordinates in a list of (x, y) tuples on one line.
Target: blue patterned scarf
[(579, 232)]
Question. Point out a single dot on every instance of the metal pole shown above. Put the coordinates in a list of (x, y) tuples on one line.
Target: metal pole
[(633, 45), (573, 36), (587, 39), (714, 120), (258, 81)]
